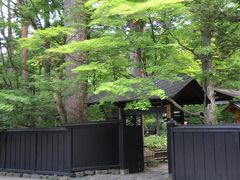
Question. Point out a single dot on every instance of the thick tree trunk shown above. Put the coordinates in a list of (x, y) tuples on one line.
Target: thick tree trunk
[(76, 95), (136, 54), (208, 85)]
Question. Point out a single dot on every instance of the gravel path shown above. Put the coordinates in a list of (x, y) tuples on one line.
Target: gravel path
[(155, 173), (140, 176)]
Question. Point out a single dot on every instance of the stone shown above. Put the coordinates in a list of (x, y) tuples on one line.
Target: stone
[(124, 171), (80, 174), (114, 171), (89, 173), (64, 178), (36, 176), (10, 174), (3, 173), (44, 176), (26, 175), (53, 177), (99, 172), (17, 175)]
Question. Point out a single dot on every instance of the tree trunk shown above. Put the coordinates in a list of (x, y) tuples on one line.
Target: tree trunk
[(24, 34), (76, 95), (46, 62), (208, 85), (136, 54), (60, 107)]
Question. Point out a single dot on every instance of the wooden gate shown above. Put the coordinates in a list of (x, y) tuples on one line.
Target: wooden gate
[(134, 144)]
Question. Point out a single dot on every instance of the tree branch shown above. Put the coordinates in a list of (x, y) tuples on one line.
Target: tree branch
[(195, 114)]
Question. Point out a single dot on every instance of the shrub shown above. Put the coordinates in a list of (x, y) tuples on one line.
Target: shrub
[(156, 142)]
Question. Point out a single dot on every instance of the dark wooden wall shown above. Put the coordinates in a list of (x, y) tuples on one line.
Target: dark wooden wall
[(95, 147), (45, 150), (62, 150), (206, 152)]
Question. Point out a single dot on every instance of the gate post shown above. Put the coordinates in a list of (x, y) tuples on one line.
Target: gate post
[(122, 155), (170, 125)]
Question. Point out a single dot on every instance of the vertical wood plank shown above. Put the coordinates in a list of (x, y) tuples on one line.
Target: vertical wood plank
[(8, 152), (220, 154), (39, 152), (23, 146), (61, 153), (33, 150), (199, 155), (50, 152), (27, 151), (18, 150), (44, 150), (55, 151), (179, 156), (189, 156), (233, 155), (209, 148), (68, 152)]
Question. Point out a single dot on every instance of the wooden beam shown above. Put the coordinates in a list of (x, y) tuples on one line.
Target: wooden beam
[(122, 156)]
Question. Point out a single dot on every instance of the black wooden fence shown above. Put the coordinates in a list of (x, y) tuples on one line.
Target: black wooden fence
[(62, 150), (205, 152)]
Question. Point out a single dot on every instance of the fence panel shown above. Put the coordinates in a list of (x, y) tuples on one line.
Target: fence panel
[(52, 151), (95, 146), (61, 150), (36, 150), (206, 152)]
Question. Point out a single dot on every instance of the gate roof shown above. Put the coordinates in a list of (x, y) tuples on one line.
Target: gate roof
[(184, 91)]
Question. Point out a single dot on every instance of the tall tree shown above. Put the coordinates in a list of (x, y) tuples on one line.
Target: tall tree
[(24, 34), (76, 95), (203, 33)]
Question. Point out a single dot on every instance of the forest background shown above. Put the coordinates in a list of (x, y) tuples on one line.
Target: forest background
[(56, 53)]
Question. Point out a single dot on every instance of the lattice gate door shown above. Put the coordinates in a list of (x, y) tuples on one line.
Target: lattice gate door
[(134, 144)]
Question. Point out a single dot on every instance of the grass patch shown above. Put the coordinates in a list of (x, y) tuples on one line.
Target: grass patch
[(155, 142)]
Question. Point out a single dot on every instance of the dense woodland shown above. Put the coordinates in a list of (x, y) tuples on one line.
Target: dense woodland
[(56, 53)]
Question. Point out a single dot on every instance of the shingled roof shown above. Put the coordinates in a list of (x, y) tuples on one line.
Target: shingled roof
[(233, 104), (185, 91), (228, 92)]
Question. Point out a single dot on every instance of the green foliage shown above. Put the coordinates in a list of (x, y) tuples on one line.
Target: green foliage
[(39, 38), (21, 109), (169, 42), (155, 142), (100, 112), (149, 122), (224, 117), (138, 88), (143, 104), (95, 113), (193, 108), (93, 45)]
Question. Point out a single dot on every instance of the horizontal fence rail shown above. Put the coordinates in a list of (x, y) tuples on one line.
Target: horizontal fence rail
[(206, 152), (61, 150)]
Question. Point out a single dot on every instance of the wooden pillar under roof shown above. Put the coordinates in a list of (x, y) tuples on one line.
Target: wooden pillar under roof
[(169, 110)]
